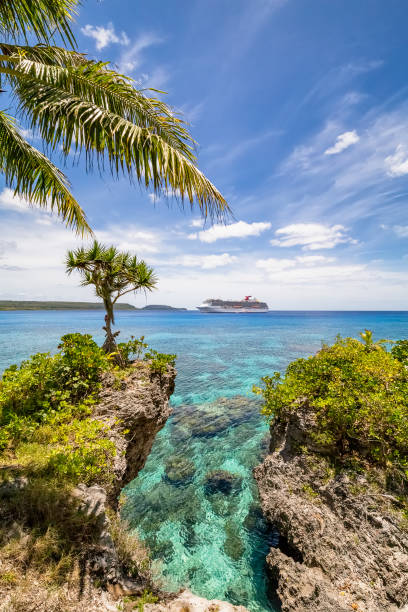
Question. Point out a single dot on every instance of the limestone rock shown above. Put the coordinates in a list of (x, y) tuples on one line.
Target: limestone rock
[(104, 558), (188, 602), (341, 545), (135, 410)]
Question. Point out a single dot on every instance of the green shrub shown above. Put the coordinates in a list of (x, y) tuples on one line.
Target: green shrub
[(45, 408), (132, 349), (80, 366), (159, 362), (359, 394), (46, 424), (146, 598), (400, 351), (45, 382)]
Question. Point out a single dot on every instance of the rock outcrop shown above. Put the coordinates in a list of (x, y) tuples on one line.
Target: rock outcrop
[(343, 544), (135, 409), (188, 602)]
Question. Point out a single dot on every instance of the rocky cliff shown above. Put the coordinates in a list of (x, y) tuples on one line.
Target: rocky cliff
[(136, 408), (343, 541)]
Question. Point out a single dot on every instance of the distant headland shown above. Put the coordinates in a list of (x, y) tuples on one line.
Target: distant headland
[(37, 305), (161, 307)]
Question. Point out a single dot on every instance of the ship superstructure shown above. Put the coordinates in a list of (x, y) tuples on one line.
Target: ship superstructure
[(248, 304)]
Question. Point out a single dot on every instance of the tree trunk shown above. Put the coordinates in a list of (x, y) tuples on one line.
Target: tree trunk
[(110, 346)]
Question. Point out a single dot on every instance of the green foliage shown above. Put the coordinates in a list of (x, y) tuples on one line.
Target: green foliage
[(46, 404), (132, 349), (80, 366), (43, 18), (146, 598), (400, 351), (359, 393), (159, 362), (45, 384), (45, 410)]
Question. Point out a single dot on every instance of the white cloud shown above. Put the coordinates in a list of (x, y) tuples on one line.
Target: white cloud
[(401, 230), (206, 262), (274, 265), (132, 57), (309, 270), (130, 238), (104, 36), (311, 236), (8, 201), (343, 141), (311, 260), (240, 229), (196, 223), (157, 79), (28, 271), (397, 164)]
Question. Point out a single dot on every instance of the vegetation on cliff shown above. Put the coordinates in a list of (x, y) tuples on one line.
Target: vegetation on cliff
[(50, 441), (359, 395)]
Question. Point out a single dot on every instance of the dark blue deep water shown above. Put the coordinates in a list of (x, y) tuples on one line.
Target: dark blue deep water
[(195, 502)]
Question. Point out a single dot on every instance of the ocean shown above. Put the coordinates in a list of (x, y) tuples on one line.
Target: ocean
[(195, 503)]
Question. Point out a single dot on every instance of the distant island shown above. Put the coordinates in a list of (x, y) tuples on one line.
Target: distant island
[(34, 305), (161, 307)]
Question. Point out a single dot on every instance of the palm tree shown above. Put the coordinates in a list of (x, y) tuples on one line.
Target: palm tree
[(82, 106), (113, 274)]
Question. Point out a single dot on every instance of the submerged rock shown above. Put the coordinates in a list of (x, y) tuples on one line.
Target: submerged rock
[(224, 505), (341, 545), (233, 545), (221, 481), (209, 420), (179, 470)]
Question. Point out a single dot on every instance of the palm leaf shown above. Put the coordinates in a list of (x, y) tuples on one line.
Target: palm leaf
[(35, 178), (84, 106), (94, 82), (41, 18)]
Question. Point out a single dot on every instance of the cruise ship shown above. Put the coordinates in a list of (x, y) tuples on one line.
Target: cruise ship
[(248, 304)]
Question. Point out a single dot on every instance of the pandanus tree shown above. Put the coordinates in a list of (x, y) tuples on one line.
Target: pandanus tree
[(112, 274), (81, 106)]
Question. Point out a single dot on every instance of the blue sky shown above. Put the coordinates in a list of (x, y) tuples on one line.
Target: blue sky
[(300, 109)]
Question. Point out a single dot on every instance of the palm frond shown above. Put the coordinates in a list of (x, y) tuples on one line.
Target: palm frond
[(96, 83), (42, 18), (35, 178), (84, 106), (47, 54)]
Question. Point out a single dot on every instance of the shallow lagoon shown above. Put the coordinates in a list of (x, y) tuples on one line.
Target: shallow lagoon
[(205, 527)]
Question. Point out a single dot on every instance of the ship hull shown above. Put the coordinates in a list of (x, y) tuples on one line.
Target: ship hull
[(214, 309)]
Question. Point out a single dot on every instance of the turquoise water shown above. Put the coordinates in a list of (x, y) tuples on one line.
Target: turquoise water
[(195, 502)]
